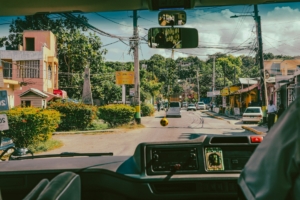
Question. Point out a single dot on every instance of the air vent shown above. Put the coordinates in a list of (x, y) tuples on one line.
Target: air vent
[(221, 140), (174, 187)]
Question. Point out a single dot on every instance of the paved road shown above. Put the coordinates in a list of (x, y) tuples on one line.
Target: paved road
[(124, 142)]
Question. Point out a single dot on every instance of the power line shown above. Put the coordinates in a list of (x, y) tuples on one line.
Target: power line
[(110, 43), (112, 20)]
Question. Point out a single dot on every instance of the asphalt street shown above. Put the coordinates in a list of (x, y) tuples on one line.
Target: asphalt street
[(124, 142)]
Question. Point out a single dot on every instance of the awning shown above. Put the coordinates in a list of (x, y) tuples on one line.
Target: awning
[(61, 93), (246, 89), (227, 91)]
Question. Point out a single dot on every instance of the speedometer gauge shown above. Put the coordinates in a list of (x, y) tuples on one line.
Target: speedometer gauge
[(214, 159)]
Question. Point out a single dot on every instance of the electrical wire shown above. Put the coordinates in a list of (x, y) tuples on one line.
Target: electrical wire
[(113, 21)]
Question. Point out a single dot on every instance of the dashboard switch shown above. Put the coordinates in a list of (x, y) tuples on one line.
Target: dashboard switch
[(193, 155), (177, 166), (155, 157)]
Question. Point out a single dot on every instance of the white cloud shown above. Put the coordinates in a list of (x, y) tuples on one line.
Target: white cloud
[(280, 28)]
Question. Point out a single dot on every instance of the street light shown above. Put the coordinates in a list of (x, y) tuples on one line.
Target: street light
[(261, 61)]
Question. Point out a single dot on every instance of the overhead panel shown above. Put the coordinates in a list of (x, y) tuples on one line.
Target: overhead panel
[(30, 7)]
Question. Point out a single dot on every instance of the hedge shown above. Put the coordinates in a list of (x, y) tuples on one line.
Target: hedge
[(74, 116), (30, 125), (116, 114), (147, 109)]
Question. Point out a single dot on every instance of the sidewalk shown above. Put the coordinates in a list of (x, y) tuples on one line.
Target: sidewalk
[(255, 128)]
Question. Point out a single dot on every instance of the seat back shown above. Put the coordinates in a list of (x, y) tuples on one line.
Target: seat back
[(64, 186), (36, 191)]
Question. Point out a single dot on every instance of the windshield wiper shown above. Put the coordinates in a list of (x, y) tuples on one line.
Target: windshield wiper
[(64, 154)]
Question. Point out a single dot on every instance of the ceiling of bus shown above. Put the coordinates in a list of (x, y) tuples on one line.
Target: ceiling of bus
[(30, 7)]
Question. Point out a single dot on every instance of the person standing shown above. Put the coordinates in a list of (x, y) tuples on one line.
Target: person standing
[(271, 114), (280, 110)]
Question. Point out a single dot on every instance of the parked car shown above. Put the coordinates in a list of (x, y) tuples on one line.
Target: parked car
[(191, 107), (201, 106), (6, 143), (184, 104), (252, 114)]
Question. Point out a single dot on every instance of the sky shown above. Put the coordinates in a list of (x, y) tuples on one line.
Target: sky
[(217, 31)]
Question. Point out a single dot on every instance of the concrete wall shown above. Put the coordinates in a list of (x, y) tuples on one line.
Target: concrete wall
[(40, 38), (10, 88)]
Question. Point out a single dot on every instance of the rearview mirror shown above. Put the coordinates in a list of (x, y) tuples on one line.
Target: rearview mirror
[(173, 38), (172, 18)]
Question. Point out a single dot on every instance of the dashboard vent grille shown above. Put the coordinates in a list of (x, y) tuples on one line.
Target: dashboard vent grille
[(174, 187), (220, 140)]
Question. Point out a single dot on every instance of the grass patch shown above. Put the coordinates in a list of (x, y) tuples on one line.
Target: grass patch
[(97, 125), (131, 126), (45, 146)]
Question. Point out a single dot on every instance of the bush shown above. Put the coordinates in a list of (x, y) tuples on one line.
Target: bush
[(31, 125), (147, 109), (116, 114), (74, 116)]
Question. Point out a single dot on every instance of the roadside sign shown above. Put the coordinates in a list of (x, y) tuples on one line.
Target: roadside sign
[(213, 94), (3, 100), (236, 111), (124, 77), (3, 122), (131, 92)]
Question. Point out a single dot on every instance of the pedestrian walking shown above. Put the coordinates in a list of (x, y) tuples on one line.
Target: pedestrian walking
[(158, 106), (280, 110), (271, 114)]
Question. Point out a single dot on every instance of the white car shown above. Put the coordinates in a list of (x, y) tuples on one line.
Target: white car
[(191, 107), (174, 110), (201, 106), (252, 114)]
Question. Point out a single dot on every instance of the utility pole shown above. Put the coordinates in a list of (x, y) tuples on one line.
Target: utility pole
[(261, 61), (234, 75), (224, 76), (214, 69), (136, 69), (198, 85)]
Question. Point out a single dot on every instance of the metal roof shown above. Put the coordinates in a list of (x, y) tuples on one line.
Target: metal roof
[(35, 91), (246, 81)]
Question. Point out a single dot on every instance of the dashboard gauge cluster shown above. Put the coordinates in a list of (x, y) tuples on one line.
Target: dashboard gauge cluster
[(169, 159)]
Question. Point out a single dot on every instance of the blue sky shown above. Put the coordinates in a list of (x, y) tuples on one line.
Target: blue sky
[(217, 31)]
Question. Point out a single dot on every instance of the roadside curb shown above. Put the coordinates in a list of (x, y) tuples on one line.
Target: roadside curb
[(253, 130), (212, 115), (81, 132)]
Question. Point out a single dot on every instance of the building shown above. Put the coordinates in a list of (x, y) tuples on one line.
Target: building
[(287, 88), (282, 89), (281, 67), (33, 65)]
